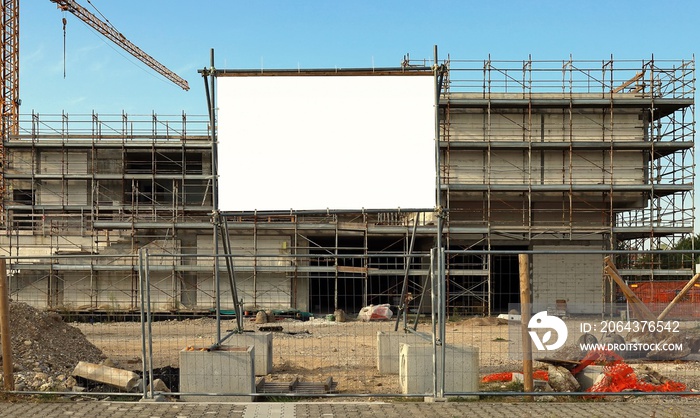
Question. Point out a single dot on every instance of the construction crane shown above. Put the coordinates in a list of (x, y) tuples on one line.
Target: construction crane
[(9, 34), (113, 35)]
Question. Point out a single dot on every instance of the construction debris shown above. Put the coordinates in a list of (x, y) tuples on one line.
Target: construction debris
[(121, 379), (271, 328), (158, 386), (561, 379), (261, 317), (688, 339), (375, 313), (339, 315), (46, 349), (618, 377)]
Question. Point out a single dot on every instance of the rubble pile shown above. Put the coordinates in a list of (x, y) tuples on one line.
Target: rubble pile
[(619, 377), (45, 349)]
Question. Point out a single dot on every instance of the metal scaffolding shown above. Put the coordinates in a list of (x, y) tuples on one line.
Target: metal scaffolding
[(542, 152), (531, 155)]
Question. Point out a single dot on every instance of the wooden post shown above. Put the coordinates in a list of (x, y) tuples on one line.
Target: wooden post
[(524, 260), (639, 308), (679, 296), (8, 378)]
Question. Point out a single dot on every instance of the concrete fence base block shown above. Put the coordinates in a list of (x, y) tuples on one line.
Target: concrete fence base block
[(226, 370), (388, 345), (263, 349), (416, 369)]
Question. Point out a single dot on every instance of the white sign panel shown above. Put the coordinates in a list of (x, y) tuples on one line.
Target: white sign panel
[(326, 142)]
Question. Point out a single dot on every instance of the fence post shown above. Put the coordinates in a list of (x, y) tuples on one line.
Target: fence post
[(433, 314), (442, 303), (438, 315), (146, 322), (142, 311), (524, 261), (8, 378)]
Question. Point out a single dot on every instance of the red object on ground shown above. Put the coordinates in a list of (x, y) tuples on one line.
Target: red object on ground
[(619, 376), (498, 377), (599, 356), (508, 376)]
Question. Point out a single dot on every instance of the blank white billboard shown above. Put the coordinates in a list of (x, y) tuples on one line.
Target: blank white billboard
[(310, 142)]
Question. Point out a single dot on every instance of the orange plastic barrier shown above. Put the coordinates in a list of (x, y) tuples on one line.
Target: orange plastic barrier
[(508, 376), (621, 376)]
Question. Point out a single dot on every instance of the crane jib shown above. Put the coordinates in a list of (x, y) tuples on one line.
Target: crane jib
[(120, 40)]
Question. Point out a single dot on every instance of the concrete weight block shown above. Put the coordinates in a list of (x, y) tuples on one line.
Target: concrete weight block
[(263, 349), (389, 344), (416, 369), (226, 370)]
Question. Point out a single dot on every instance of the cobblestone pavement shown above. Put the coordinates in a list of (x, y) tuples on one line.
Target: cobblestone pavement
[(106, 409)]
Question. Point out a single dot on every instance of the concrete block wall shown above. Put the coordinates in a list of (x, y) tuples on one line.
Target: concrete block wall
[(548, 125), (575, 278)]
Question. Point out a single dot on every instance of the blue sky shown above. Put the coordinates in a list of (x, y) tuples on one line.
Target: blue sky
[(319, 34)]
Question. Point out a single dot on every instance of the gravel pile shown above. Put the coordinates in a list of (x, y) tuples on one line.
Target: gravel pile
[(45, 350)]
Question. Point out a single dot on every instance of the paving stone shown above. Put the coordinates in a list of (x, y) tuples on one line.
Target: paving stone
[(101, 409)]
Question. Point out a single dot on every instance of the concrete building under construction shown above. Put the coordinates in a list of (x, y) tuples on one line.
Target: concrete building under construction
[(531, 155)]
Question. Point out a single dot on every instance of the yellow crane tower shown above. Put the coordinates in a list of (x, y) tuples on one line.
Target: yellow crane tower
[(10, 67)]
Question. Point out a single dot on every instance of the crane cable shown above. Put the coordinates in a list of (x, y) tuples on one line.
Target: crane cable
[(104, 18), (64, 44)]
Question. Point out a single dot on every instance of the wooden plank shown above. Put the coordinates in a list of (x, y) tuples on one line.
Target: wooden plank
[(679, 296), (609, 263), (352, 226), (628, 82), (635, 303), (350, 269)]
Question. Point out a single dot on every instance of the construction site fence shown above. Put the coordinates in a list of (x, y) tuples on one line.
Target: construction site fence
[(437, 323)]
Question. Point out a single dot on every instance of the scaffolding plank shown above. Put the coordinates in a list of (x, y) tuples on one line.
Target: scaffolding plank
[(351, 269), (352, 226)]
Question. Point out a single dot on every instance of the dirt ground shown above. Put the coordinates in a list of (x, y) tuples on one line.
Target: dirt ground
[(46, 349), (318, 349)]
